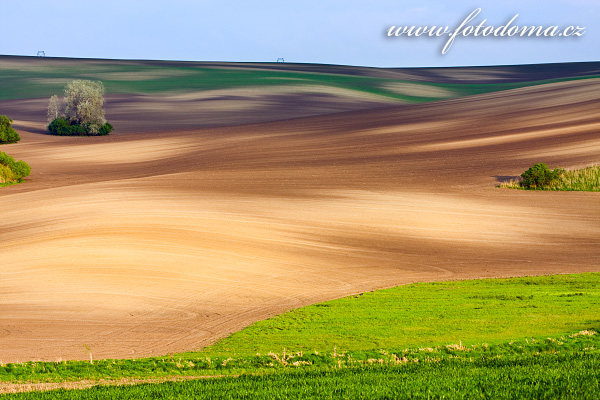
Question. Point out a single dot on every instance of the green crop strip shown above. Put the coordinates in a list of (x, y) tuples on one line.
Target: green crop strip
[(44, 81)]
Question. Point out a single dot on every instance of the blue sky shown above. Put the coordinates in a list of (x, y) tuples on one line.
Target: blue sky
[(311, 31)]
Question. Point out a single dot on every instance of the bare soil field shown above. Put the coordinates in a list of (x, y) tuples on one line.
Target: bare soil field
[(156, 240)]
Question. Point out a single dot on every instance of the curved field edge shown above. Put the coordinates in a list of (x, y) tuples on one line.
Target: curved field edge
[(437, 313), (502, 318)]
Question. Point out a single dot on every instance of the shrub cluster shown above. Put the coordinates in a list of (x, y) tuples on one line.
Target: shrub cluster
[(11, 170), (540, 176), (7, 132), (62, 127), (83, 113)]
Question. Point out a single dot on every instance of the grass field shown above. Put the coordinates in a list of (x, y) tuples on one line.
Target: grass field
[(573, 376), (518, 337), (492, 311)]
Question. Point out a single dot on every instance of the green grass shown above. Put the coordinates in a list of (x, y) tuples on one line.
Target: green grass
[(412, 321), (489, 310), (567, 375), (46, 80), (584, 179), (532, 337)]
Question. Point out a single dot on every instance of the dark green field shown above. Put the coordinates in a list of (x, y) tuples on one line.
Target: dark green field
[(35, 78)]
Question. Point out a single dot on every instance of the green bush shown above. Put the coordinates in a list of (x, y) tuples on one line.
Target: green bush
[(540, 176), (105, 129), (11, 170), (62, 127), (21, 169), (78, 130), (6, 174), (7, 133)]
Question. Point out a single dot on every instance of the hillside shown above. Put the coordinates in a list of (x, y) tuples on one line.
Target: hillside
[(215, 204)]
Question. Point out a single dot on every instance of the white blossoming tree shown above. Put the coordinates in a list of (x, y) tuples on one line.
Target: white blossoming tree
[(54, 108), (84, 110)]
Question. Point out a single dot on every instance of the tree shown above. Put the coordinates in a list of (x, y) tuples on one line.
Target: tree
[(7, 132), (85, 103), (84, 110), (54, 107)]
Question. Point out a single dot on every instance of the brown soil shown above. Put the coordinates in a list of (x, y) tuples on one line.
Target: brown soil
[(149, 243)]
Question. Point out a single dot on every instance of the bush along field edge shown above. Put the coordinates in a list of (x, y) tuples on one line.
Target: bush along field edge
[(11, 171), (541, 177)]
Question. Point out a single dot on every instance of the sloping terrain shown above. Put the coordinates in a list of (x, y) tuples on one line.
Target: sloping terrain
[(164, 237), (157, 95)]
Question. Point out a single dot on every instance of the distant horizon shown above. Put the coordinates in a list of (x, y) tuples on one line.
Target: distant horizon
[(292, 62)]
